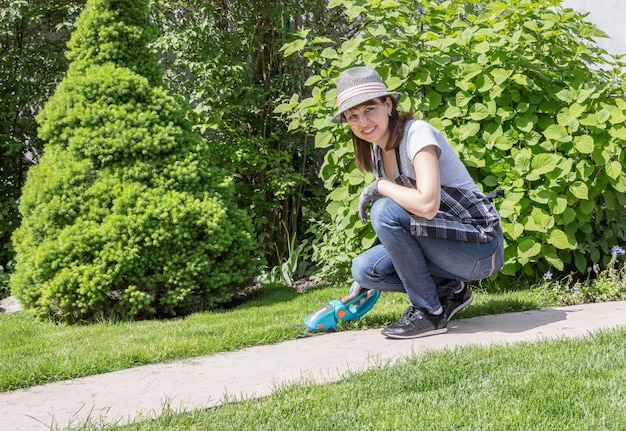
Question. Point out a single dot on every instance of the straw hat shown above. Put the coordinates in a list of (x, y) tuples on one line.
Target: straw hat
[(358, 85)]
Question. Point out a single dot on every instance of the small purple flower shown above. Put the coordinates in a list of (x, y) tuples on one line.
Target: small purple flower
[(547, 275), (617, 250)]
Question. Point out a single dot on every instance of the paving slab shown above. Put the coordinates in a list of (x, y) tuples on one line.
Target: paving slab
[(144, 392)]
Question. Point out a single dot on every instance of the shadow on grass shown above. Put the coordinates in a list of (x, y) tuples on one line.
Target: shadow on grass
[(498, 306), (481, 306), (266, 294)]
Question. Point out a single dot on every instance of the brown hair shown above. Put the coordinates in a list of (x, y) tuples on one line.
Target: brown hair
[(363, 149)]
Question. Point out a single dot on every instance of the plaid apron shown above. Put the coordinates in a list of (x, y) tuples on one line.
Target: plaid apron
[(463, 215)]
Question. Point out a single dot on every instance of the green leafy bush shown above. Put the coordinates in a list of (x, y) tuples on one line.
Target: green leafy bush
[(123, 215), (532, 105)]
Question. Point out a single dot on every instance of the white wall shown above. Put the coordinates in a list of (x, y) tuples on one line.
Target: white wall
[(609, 16)]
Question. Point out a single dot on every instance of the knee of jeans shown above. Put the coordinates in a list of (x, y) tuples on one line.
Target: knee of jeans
[(383, 213), (358, 269)]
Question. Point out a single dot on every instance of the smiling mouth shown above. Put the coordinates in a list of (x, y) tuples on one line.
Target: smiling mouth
[(368, 131)]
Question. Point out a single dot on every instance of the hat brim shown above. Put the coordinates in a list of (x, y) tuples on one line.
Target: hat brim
[(361, 98)]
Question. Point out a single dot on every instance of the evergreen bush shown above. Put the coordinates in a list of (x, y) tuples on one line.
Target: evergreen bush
[(123, 215), (532, 105)]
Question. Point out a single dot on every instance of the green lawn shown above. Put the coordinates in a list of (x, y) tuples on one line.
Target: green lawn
[(557, 385), (33, 352)]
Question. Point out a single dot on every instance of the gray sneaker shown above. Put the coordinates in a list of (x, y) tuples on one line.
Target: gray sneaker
[(455, 302), (416, 322)]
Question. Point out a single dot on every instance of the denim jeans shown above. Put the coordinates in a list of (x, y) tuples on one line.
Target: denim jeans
[(423, 267)]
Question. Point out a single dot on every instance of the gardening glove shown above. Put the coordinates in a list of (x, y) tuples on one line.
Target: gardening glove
[(369, 194), (354, 291)]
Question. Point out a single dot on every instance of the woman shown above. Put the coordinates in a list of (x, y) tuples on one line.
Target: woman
[(435, 228)]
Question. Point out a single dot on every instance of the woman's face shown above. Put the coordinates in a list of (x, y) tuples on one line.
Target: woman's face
[(370, 120)]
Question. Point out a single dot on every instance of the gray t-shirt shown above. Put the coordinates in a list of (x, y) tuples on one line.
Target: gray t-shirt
[(420, 134)]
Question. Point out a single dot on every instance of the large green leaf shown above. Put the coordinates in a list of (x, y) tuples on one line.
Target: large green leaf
[(556, 132), (584, 144), (478, 112), (528, 247), (614, 169), (560, 240), (579, 190), (542, 164)]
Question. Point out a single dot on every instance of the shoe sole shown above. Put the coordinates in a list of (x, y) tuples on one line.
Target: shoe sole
[(460, 307), (421, 334)]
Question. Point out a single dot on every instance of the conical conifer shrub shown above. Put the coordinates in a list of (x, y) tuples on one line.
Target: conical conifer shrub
[(123, 216)]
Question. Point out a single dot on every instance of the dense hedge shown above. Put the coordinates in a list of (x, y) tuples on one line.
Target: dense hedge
[(123, 216), (532, 105)]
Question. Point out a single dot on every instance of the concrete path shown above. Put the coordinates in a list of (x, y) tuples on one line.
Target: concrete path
[(143, 392)]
